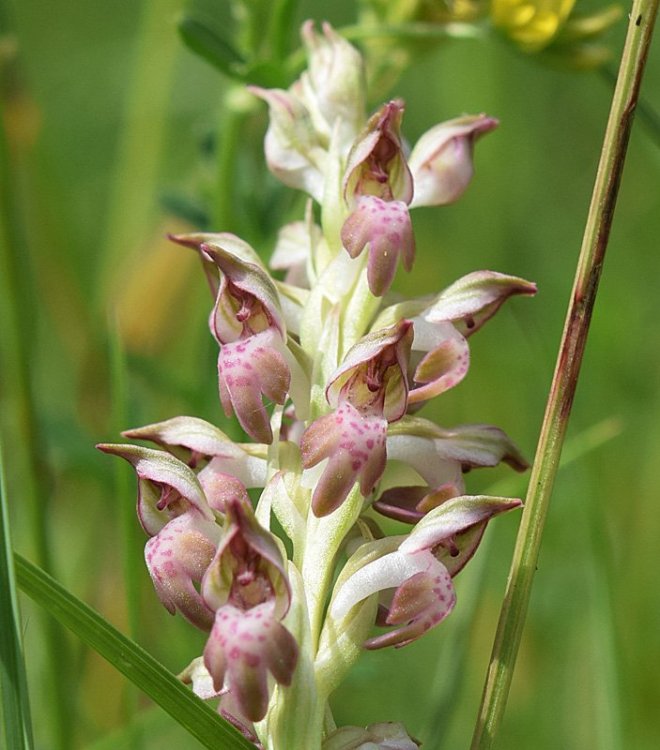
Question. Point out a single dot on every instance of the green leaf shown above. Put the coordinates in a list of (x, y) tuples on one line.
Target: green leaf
[(131, 660), (204, 41), (13, 682)]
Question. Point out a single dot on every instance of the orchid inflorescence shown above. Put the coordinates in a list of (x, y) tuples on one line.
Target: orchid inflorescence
[(346, 370)]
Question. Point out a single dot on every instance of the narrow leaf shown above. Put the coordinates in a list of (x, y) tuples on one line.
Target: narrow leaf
[(130, 659), (204, 41), (13, 683)]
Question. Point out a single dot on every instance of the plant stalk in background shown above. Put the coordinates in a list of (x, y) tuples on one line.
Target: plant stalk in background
[(564, 383)]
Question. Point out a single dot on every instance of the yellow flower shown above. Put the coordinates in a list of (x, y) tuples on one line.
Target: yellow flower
[(532, 24)]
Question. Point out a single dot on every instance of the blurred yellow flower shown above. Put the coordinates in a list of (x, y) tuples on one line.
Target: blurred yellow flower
[(532, 24)]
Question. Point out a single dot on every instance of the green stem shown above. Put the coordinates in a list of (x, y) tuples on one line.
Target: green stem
[(324, 538), (237, 105), (280, 27), (402, 31), (562, 390), (138, 154), (20, 413), (132, 556)]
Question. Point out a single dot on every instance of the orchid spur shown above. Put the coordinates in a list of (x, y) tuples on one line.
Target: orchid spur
[(326, 374)]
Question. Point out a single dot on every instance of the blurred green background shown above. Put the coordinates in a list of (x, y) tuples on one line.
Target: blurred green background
[(110, 124)]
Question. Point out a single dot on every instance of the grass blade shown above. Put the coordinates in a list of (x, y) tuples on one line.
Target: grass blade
[(201, 721), (13, 682)]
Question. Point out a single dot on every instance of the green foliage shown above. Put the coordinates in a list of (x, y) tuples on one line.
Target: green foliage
[(132, 661), (16, 721), (590, 648)]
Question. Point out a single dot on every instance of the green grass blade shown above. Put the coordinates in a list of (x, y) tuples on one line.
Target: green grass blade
[(13, 682), (201, 721), (131, 544)]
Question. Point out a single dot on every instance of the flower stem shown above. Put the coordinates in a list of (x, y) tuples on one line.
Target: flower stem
[(562, 390)]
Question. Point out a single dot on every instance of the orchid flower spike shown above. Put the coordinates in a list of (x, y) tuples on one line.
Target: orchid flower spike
[(325, 379)]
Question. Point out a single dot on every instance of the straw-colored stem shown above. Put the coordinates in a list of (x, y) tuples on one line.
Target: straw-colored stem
[(562, 390)]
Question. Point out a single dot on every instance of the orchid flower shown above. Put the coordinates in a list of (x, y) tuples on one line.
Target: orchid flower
[(368, 390), (380, 184), (420, 571), (247, 587), (248, 323)]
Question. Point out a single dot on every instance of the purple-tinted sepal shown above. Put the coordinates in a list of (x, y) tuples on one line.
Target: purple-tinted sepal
[(454, 530), (246, 299), (376, 164), (167, 487), (355, 447), (385, 227), (440, 358), (177, 558), (441, 161), (411, 504), (247, 371), (209, 451), (247, 302), (472, 300), (432, 450)]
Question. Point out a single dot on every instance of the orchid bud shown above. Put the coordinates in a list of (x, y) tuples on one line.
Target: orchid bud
[(295, 152), (333, 86), (441, 161)]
